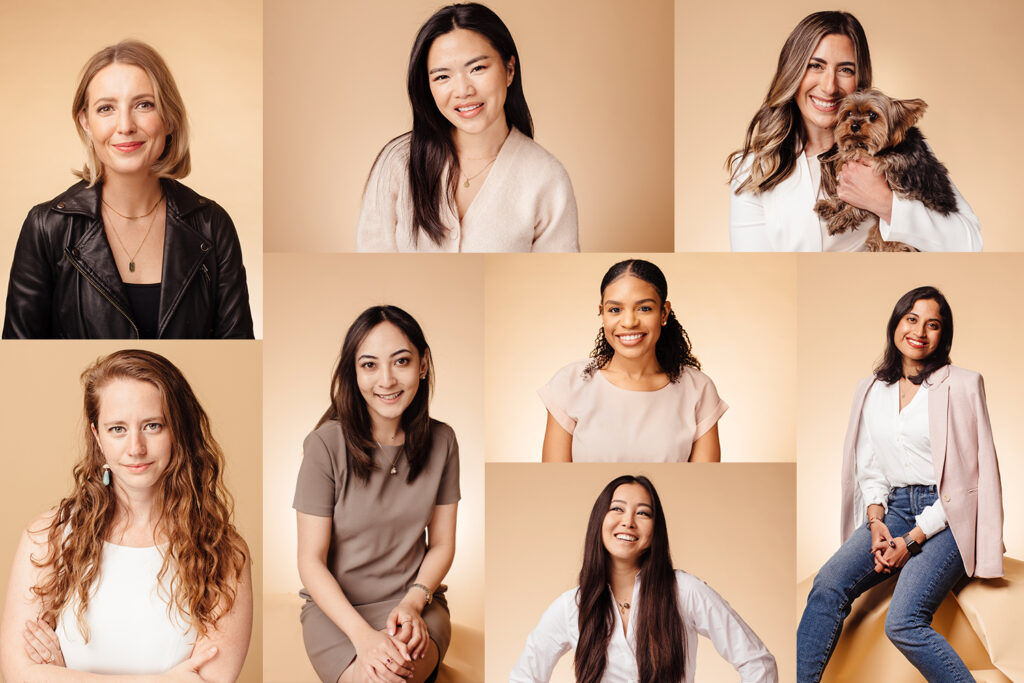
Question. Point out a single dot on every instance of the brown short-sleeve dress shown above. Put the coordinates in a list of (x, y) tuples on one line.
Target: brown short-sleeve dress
[(378, 536)]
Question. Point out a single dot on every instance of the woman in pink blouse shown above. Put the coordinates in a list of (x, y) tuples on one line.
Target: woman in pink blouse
[(641, 397)]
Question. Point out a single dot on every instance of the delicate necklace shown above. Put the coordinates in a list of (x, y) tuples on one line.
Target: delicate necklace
[(477, 174), (394, 463), (132, 218), (131, 256), (623, 606)]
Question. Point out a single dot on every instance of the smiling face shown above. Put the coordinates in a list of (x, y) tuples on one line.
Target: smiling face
[(831, 75), (919, 332), (132, 432), (388, 371), (629, 524), (632, 314), (122, 121), (469, 81)]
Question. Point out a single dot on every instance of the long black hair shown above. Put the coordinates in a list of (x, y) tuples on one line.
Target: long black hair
[(431, 147), (349, 408), (673, 350), (890, 368), (660, 641)]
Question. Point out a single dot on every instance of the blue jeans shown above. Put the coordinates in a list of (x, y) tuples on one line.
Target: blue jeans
[(921, 585)]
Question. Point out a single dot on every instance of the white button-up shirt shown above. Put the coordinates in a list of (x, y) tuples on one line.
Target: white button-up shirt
[(703, 610), (894, 450)]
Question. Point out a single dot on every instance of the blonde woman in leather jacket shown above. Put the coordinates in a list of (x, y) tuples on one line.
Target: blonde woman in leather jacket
[(129, 252)]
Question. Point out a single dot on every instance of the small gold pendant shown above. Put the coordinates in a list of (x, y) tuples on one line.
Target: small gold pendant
[(467, 183), (131, 266), (394, 470)]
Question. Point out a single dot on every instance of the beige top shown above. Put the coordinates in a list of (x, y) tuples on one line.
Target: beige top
[(378, 532), (611, 424), (525, 204)]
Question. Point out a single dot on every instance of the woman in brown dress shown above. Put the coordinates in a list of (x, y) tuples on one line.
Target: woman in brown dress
[(376, 473)]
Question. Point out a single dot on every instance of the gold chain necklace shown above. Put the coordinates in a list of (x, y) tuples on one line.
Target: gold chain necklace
[(476, 175), (131, 257), (132, 218)]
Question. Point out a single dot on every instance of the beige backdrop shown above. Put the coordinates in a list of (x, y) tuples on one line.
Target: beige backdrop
[(597, 77), (844, 307), (954, 55), (215, 52), (739, 310), (310, 304), (537, 518), (43, 426)]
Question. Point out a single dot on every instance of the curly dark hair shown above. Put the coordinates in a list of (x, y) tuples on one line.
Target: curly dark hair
[(673, 350)]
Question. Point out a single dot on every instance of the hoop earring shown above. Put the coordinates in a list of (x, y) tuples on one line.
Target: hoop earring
[(106, 474)]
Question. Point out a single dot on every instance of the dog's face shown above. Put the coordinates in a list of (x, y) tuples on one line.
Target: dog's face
[(872, 121)]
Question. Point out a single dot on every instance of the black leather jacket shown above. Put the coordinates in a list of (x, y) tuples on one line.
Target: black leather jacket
[(64, 283)]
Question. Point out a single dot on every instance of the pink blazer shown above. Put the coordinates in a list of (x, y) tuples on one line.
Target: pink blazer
[(965, 463)]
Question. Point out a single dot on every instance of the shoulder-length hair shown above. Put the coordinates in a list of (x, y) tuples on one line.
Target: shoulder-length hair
[(176, 161), (776, 136), (672, 350), (660, 641), (349, 408), (890, 368), (204, 556), (431, 147)]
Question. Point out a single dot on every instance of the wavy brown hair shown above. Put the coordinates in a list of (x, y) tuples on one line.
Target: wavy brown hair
[(776, 136), (204, 554)]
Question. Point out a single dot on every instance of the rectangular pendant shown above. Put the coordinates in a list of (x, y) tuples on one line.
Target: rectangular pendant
[(131, 266)]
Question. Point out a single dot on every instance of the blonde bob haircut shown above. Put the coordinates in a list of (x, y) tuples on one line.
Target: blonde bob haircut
[(776, 135), (175, 161)]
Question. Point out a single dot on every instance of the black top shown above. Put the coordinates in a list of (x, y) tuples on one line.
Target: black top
[(145, 302)]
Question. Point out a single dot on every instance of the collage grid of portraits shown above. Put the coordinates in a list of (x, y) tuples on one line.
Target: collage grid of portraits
[(245, 166)]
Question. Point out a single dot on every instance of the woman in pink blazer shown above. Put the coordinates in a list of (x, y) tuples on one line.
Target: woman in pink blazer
[(921, 494)]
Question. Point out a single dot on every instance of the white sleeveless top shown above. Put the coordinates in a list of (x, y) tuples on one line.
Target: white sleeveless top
[(130, 628)]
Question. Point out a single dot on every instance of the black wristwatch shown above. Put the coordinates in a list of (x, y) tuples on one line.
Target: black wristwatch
[(913, 546)]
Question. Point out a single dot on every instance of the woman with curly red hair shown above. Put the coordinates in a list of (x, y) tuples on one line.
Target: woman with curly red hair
[(139, 571)]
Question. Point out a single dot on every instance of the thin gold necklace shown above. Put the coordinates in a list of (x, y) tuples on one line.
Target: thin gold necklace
[(476, 175), (133, 218), (131, 256)]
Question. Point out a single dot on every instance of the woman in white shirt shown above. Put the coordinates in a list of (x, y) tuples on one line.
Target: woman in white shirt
[(921, 495), (469, 176), (776, 176), (633, 617), (139, 571)]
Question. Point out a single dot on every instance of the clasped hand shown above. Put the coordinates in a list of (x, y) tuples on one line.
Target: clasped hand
[(889, 553), (383, 658)]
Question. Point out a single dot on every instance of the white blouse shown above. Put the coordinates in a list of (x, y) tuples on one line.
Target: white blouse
[(703, 610), (894, 449), (783, 219), (130, 630)]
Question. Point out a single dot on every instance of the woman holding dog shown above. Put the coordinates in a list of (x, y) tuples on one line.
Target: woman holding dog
[(776, 176), (921, 496)]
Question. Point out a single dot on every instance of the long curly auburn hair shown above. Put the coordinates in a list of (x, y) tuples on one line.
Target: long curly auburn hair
[(204, 555)]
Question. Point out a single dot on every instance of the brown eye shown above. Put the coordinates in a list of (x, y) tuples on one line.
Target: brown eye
[(872, 116)]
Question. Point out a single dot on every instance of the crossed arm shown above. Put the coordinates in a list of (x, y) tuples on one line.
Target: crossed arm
[(216, 657)]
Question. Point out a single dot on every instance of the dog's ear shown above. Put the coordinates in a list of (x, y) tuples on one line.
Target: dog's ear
[(904, 114)]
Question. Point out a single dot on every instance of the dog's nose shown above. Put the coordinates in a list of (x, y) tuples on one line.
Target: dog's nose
[(854, 127)]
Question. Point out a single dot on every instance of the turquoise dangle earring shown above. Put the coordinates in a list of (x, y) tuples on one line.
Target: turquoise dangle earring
[(106, 475)]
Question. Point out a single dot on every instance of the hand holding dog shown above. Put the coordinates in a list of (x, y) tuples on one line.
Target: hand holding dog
[(861, 185)]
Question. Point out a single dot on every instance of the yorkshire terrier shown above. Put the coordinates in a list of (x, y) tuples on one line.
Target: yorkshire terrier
[(871, 125)]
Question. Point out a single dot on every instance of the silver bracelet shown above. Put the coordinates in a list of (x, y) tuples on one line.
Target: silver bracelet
[(430, 593)]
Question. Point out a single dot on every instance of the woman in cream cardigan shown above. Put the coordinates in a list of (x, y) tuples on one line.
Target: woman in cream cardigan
[(469, 176), (921, 494), (776, 174)]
